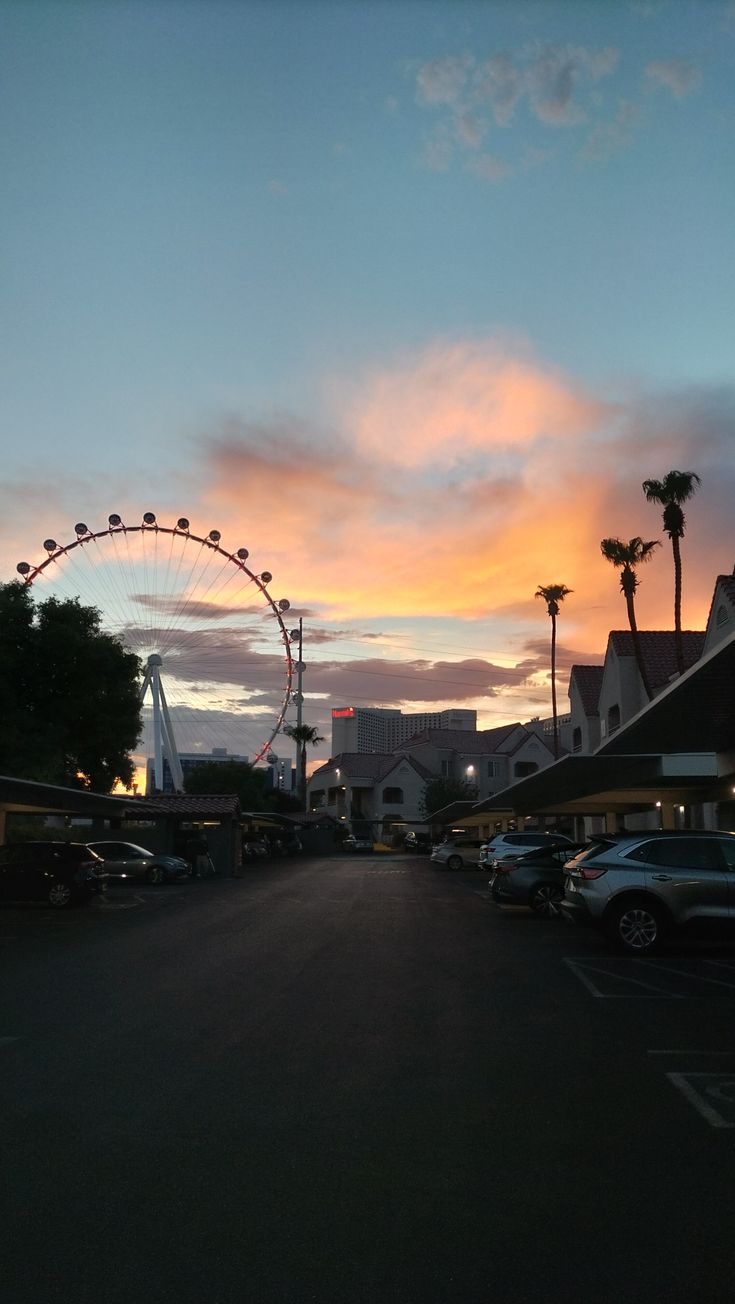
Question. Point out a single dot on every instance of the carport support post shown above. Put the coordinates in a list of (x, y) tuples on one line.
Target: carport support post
[(611, 821), (668, 815), (2, 825)]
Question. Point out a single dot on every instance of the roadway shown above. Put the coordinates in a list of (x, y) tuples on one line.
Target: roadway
[(358, 1081)]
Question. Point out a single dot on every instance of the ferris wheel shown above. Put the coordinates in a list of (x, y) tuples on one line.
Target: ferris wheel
[(203, 624)]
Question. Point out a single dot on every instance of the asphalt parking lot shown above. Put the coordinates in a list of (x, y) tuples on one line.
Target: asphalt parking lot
[(359, 1079)]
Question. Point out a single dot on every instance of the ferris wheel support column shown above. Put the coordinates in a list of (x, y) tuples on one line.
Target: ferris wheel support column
[(163, 734), (169, 743)]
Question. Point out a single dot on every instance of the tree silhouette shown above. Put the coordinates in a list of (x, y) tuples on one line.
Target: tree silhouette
[(675, 488), (626, 557), (303, 735), (552, 595)]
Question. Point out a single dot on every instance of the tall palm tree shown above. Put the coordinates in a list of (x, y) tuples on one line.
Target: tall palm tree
[(303, 735), (552, 595), (675, 488), (626, 556)]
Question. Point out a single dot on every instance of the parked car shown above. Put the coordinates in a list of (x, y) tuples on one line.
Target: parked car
[(353, 843), (457, 853), (504, 845), (59, 873), (639, 887), (535, 879), (126, 862)]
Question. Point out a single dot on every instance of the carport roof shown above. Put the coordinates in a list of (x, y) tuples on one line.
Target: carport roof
[(675, 750), (44, 798)]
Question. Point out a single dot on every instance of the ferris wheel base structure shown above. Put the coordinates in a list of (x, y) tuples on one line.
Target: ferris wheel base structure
[(163, 733)]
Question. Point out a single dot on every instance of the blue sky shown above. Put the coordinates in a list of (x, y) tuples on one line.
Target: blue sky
[(414, 295)]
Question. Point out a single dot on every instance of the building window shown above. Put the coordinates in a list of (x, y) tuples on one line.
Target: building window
[(522, 769), (722, 615), (493, 769), (446, 769), (393, 796), (577, 739), (613, 719)]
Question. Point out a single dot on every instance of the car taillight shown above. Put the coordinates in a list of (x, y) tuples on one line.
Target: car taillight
[(504, 866), (583, 872)]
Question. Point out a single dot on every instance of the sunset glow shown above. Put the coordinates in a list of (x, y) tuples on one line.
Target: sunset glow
[(413, 334)]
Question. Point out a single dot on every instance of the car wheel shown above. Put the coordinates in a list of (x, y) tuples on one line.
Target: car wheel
[(154, 874), (454, 862), (545, 900), (59, 895), (636, 927)]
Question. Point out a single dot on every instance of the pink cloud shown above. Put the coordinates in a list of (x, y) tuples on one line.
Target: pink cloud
[(464, 398)]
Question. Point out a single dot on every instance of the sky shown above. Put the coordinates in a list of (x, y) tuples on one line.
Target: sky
[(406, 298)]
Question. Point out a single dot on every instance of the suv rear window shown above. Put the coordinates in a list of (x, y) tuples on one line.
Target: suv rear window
[(680, 853)]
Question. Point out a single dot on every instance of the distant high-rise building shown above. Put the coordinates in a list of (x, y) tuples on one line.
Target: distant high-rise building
[(189, 761), (381, 729)]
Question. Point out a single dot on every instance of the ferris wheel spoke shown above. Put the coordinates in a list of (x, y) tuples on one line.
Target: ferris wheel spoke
[(198, 618)]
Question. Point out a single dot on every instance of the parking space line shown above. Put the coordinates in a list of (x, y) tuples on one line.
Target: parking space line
[(683, 973), (582, 969), (701, 1088)]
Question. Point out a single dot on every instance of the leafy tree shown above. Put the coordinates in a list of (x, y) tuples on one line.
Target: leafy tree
[(441, 792), (236, 777), (552, 595), (625, 557), (675, 488), (69, 694), (303, 735)]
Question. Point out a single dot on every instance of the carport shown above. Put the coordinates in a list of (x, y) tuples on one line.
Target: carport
[(26, 797), (678, 752)]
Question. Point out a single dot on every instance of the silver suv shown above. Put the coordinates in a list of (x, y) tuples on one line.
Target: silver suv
[(504, 846), (638, 887)]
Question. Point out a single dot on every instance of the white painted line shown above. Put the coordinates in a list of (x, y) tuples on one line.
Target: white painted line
[(685, 973), (661, 994), (720, 1086), (691, 1052), (583, 978), (721, 964)]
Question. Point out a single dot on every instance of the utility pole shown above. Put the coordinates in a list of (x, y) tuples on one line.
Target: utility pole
[(297, 636)]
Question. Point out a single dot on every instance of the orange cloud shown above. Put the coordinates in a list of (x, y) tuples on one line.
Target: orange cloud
[(462, 399), (463, 478)]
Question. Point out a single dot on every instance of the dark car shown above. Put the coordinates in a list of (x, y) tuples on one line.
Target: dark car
[(355, 842), (126, 862), (59, 873), (535, 879)]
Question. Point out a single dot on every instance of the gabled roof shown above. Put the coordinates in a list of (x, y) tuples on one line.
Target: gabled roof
[(370, 765), (724, 586), (589, 682), (658, 649), (467, 741)]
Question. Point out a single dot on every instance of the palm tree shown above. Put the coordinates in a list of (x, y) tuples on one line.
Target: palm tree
[(303, 735), (552, 595), (627, 556), (675, 488)]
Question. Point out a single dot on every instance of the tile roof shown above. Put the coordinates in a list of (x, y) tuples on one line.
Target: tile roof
[(463, 740), (182, 803), (369, 765), (658, 649), (589, 682)]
